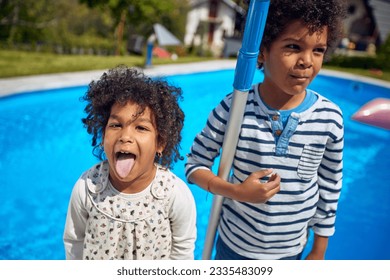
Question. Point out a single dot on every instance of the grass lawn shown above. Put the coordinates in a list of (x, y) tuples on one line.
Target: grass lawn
[(17, 63), (385, 75)]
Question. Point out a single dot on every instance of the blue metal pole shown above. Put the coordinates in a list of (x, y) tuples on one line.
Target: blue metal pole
[(243, 78), (149, 50), (149, 54), (253, 33)]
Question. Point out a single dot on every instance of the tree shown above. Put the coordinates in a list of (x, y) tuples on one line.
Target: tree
[(139, 16), (23, 21), (53, 24), (66, 25)]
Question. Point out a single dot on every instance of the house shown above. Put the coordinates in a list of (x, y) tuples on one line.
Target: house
[(209, 22), (381, 12), (368, 24), (217, 25)]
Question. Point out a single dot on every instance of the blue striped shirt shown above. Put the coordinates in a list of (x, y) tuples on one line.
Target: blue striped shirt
[(308, 158)]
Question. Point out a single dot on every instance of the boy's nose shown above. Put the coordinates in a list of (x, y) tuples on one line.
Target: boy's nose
[(305, 60)]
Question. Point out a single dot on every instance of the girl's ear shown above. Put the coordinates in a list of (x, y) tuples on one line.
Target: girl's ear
[(160, 148), (102, 139)]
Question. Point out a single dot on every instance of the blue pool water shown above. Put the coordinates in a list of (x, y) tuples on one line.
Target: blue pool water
[(44, 149)]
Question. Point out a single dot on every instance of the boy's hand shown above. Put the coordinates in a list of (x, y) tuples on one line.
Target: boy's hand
[(319, 248), (254, 191), (315, 256)]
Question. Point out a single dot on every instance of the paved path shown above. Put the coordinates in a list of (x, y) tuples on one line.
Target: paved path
[(51, 81)]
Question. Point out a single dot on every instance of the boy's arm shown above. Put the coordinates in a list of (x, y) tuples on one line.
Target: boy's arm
[(319, 248), (330, 175), (251, 190), (206, 148)]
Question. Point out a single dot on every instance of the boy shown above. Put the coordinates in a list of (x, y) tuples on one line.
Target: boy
[(288, 131)]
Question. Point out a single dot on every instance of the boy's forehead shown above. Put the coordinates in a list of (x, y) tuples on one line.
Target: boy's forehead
[(298, 30)]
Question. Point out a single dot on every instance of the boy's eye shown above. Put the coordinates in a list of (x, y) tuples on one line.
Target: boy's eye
[(114, 125), (293, 47), (320, 50)]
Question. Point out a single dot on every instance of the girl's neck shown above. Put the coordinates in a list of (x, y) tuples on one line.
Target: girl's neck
[(135, 186)]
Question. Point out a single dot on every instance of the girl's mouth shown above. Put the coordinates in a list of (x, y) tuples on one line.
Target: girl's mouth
[(124, 163)]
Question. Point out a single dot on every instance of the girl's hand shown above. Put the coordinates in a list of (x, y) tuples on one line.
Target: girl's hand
[(254, 191)]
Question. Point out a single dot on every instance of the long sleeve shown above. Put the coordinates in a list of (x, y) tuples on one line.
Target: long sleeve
[(207, 144), (330, 180), (308, 160), (74, 232), (182, 215)]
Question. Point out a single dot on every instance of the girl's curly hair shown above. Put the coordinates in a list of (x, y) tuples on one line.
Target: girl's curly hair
[(121, 85), (316, 14)]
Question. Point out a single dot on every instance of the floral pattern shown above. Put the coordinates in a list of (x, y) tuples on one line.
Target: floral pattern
[(121, 227)]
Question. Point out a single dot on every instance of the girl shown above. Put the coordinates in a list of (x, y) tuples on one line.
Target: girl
[(131, 206)]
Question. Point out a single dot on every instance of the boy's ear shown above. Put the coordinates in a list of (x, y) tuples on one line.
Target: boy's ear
[(260, 58)]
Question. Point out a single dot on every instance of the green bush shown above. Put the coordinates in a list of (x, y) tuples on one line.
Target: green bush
[(357, 62), (380, 61)]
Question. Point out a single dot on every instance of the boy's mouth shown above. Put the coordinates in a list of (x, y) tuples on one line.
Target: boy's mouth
[(300, 77), (124, 163)]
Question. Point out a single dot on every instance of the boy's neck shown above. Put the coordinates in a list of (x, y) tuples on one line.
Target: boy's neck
[(280, 100)]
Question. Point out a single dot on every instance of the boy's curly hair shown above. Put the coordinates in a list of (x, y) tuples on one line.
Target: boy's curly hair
[(121, 85), (316, 14)]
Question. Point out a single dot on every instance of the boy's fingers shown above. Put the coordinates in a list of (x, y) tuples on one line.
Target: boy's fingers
[(262, 173), (274, 183)]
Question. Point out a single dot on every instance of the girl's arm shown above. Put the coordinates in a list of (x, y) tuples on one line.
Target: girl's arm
[(76, 219), (182, 216)]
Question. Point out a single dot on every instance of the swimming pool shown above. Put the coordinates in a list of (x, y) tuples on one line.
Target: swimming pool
[(44, 149)]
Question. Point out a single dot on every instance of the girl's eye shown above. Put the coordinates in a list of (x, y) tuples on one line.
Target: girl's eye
[(142, 128)]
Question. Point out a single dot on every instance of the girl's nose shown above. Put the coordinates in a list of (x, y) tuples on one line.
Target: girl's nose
[(126, 136)]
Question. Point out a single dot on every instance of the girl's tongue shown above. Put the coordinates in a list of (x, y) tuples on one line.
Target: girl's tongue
[(124, 164)]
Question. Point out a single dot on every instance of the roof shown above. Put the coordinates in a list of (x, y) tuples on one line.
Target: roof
[(229, 3), (381, 11), (164, 37)]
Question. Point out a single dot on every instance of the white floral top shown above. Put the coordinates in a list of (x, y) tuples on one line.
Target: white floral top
[(157, 223)]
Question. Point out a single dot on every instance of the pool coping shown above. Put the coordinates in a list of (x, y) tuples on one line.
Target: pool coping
[(16, 85)]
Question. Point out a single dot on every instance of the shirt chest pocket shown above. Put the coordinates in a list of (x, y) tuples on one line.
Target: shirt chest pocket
[(310, 161)]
